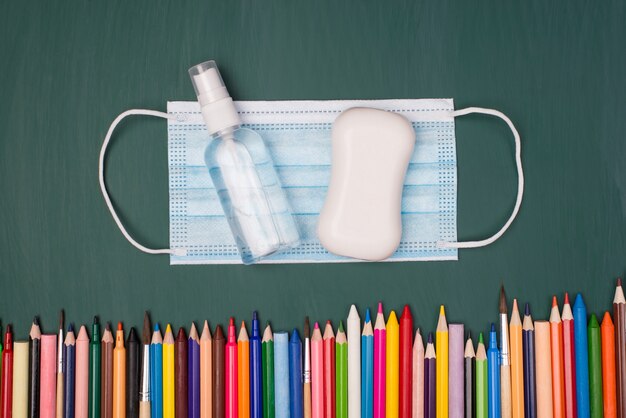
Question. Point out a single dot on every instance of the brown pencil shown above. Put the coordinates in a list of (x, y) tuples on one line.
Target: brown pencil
[(218, 373), (106, 374), (180, 374), (619, 317)]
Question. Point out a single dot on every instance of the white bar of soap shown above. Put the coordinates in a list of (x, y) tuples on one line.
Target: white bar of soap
[(361, 217)]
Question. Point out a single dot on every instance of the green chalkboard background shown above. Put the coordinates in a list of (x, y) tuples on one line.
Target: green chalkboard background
[(69, 67)]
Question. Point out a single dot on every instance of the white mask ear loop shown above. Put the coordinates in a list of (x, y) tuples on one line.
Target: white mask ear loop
[(520, 180), (103, 189)]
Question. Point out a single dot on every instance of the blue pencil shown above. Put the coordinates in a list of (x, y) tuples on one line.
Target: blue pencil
[(579, 311), (367, 368), (281, 375), (493, 370), (256, 382), (193, 373), (70, 372), (156, 374), (295, 375)]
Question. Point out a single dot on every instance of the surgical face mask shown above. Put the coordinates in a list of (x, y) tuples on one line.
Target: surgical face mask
[(297, 134)]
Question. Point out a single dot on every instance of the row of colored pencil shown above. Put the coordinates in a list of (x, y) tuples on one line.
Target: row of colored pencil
[(567, 367)]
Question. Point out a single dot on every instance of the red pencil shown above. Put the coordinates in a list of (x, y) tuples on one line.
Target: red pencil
[(406, 363), (6, 395), (329, 371), (569, 359)]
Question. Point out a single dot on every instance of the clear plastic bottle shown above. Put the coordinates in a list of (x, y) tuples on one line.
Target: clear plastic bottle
[(243, 173)]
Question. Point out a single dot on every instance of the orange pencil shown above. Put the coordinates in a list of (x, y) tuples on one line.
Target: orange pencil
[(609, 392), (243, 353), (119, 374), (556, 348), (329, 371)]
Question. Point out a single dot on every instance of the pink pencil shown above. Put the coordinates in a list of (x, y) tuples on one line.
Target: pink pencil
[(230, 369), (317, 373), (81, 406), (380, 359), (47, 377)]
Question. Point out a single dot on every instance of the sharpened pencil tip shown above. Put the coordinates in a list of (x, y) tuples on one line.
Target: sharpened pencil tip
[(95, 320), (340, 326), (380, 307), (255, 316), (119, 326), (430, 338), (368, 318), (554, 301), (481, 339), (493, 327), (316, 326), (566, 299), (442, 310), (527, 309), (70, 328), (619, 281), (36, 321)]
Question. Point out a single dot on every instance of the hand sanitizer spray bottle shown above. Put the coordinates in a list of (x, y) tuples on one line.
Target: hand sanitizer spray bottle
[(243, 173)]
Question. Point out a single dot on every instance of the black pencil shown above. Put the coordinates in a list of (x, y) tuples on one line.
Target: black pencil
[(34, 347)]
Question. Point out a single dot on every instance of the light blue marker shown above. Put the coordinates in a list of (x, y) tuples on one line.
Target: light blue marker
[(493, 371), (281, 375), (582, 357), (367, 368)]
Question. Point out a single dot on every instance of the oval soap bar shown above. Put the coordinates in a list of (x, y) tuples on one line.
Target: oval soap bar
[(361, 217)]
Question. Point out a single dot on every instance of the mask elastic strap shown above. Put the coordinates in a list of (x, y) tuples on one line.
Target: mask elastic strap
[(520, 180), (103, 187)]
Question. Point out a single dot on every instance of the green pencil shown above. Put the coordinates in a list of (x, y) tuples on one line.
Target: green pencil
[(341, 373), (595, 368), (481, 379), (94, 370), (267, 355)]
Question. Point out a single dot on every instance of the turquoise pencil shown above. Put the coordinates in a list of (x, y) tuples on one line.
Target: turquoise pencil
[(156, 374), (582, 358), (367, 368)]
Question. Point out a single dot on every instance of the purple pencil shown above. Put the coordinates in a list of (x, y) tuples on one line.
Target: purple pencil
[(456, 388), (430, 374), (193, 373)]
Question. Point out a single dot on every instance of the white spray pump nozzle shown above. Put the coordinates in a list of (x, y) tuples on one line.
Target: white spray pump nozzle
[(217, 106)]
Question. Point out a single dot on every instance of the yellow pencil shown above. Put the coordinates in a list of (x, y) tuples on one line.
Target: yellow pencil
[(442, 364), (243, 369), (392, 372), (169, 409)]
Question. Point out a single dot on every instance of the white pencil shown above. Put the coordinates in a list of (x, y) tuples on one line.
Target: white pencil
[(354, 363)]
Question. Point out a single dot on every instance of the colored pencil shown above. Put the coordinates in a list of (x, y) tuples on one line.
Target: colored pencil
[(493, 381), (256, 370), (505, 358), (417, 403), (528, 344), (329, 371), (81, 408), (582, 357), (218, 372), (132, 375), (543, 369), (243, 370), (317, 373), (456, 366), (367, 368), (6, 391), (482, 390), (569, 360), (70, 373), (281, 375), (556, 352), (595, 368), (144, 391), (267, 354), (34, 356), (47, 381), (517, 363), (295, 376), (608, 367), (405, 395), (430, 379), (380, 360), (106, 374), (392, 365), (231, 403), (156, 373), (306, 372), (193, 373), (206, 372), (119, 374), (341, 376), (95, 358), (354, 363), (181, 375), (470, 371), (619, 317), (169, 389), (20, 380), (60, 387), (442, 364)]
